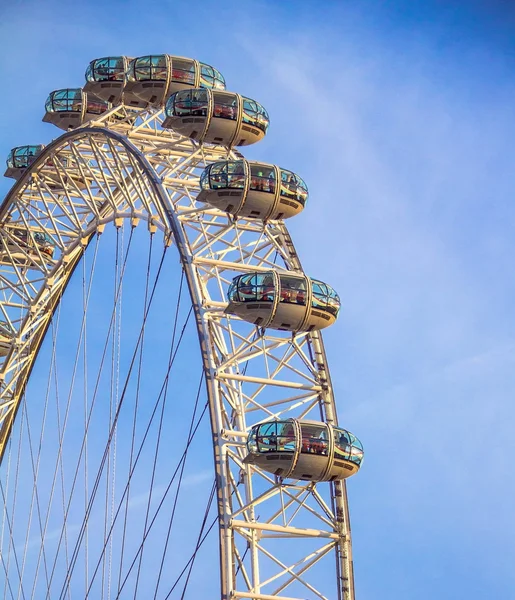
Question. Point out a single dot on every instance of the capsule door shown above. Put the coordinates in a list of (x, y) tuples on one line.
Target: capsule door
[(224, 118), (184, 75), (315, 452), (260, 200), (292, 303)]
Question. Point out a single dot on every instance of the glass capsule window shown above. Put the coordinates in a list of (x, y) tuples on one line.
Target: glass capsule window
[(293, 290), (110, 68), (42, 238), (293, 187), (225, 106), (347, 446), (23, 156), (223, 175), (314, 439), (94, 106), (187, 102), (32, 238), (252, 287), (219, 80), (148, 68), (211, 78), (262, 178), (276, 436), (68, 100), (183, 71), (20, 235), (255, 114), (324, 297)]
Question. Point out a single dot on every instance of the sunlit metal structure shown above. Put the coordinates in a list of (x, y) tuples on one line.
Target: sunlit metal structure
[(280, 457)]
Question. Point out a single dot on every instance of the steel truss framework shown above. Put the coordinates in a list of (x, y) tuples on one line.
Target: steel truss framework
[(274, 534)]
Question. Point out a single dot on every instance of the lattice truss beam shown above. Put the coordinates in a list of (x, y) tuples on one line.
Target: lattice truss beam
[(85, 180)]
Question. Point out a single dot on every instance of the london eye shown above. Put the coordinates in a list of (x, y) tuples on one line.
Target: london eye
[(140, 226)]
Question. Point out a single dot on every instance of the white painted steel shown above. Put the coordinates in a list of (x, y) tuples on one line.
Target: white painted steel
[(127, 167)]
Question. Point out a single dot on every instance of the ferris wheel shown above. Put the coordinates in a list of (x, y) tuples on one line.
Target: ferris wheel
[(98, 412)]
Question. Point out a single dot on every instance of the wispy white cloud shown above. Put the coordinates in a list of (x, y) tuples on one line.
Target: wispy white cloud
[(409, 182)]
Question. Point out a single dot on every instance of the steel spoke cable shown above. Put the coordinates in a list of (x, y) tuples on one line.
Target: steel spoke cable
[(158, 441), (85, 404), (41, 554), (176, 499), (136, 404), (200, 540), (35, 495), (115, 438), (7, 478), (112, 321), (165, 493), (112, 393), (7, 582), (191, 562), (60, 432), (95, 393), (116, 393), (35, 472), (10, 522), (156, 406), (110, 437), (61, 462), (4, 514)]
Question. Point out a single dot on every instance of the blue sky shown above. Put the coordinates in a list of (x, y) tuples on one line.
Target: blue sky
[(399, 116)]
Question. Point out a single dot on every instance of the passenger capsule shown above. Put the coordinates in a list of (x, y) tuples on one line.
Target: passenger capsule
[(154, 78), (23, 246), (307, 450), (20, 159), (72, 107), (105, 78), (216, 117), (251, 189), (287, 301), (56, 171)]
